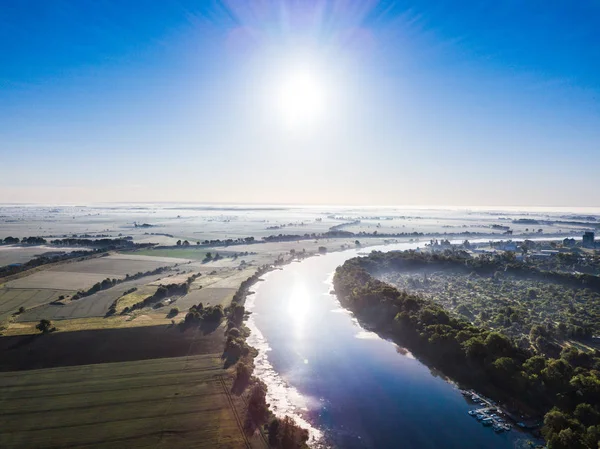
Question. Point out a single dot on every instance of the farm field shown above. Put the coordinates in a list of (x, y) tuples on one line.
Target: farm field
[(37, 290), (117, 265), (166, 403), (93, 323), (58, 280), (207, 296), (95, 305), (216, 289), (170, 253), (11, 299), (84, 347), (11, 254), (218, 282), (82, 274)]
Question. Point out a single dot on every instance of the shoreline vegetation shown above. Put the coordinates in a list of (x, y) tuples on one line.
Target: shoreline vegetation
[(279, 433), (564, 390)]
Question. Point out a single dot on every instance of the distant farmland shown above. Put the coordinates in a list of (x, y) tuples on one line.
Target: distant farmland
[(95, 305), (37, 290), (183, 253)]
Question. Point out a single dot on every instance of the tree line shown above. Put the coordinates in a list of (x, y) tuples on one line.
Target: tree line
[(109, 283)]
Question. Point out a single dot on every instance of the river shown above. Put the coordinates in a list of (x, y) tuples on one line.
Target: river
[(347, 385)]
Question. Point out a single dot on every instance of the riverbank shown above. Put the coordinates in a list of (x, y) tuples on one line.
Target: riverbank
[(291, 308), (479, 358)]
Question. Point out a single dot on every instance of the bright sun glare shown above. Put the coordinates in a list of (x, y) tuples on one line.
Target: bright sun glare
[(302, 97)]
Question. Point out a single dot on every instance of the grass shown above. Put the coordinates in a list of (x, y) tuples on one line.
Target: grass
[(135, 297), (167, 403), (79, 324)]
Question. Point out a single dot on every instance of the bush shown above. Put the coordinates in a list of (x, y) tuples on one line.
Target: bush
[(45, 326), (286, 434), (173, 312), (242, 373), (258, 409), (234, 332)]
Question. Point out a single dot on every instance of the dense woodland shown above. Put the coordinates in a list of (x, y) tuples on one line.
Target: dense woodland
[(519, 303), (532, 298), (565, 388)]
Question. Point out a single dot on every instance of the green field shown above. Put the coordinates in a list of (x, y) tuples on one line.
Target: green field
[(176, 402)]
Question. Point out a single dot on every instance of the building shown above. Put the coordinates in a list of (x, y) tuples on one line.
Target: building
[(588, 239)]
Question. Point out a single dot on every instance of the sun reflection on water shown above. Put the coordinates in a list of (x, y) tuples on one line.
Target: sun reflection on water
[(298, 307)]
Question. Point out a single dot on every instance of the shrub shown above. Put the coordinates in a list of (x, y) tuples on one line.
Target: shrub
[(257, 404), (286, 434), (44, 326), (234, 332), (242, 373)]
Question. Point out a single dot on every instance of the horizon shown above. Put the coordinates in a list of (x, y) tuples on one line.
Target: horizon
[(380, 102), (266, 206)]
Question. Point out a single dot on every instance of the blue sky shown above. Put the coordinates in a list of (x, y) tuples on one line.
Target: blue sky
[(423, 103)]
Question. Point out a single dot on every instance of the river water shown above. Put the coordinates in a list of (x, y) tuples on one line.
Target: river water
[(347, 385)]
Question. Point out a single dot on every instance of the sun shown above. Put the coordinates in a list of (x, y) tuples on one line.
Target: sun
[(302, 97)]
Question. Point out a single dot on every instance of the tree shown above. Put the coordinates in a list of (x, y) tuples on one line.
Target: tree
[(535, 365), (257, 404), (242, 373), (592, 436), (475, 348), (274, 432), (587, 415), (498, 345), (186, 243), (44, 326), (505, 367), (554, 422), (178, 243), (566, 439), (557, 374)]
